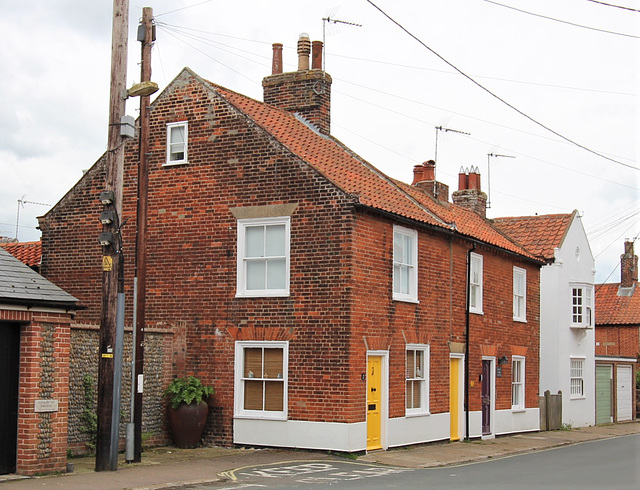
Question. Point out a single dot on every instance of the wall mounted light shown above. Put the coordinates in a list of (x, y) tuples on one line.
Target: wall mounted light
[(503, 360)]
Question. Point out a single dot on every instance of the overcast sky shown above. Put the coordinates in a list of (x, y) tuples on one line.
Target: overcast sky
[(571, 66)]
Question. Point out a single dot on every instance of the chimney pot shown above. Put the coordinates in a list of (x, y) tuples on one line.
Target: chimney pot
[(418, 171), (304, 49), (474, 179), (429, 172), (276, 65), (463, 180), (316, 55)]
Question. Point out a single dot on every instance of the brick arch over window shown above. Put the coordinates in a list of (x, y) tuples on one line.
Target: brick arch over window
[(265, 333)]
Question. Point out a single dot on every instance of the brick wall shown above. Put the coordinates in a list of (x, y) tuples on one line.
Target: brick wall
[(618, 340), (44, 370), (439, 317)]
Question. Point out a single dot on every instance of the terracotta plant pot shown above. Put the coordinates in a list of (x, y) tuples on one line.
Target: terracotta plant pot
[(187, 423)]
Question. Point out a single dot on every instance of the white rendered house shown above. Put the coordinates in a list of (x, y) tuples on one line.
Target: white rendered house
[(567, 317)]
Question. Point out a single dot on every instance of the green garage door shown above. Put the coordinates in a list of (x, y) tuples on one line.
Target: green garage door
[(604, 380)]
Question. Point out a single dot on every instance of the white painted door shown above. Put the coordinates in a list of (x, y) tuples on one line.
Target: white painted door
[(623, 393)]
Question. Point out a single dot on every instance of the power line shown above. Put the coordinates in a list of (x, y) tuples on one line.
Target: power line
[(616, 6), (182, 29), (562, 21), (184, 8), (479, 85)]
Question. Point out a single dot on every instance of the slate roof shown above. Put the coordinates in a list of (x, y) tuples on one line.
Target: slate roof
[(358, 177), (540, 235), (29, 253), (612, 309), (21, 285)]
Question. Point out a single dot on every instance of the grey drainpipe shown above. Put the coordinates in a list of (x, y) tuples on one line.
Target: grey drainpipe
[(466, 353)]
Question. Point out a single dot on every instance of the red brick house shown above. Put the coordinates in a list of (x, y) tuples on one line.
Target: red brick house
[(325, 301), (618, 342)]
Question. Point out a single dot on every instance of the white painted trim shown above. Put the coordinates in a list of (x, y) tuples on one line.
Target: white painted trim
[(241, 279), (404, 431), (170, 127), (605, 360), (238, 395), (327, 436), (412, 296), (426, 375), (462, 419), (479, 259)]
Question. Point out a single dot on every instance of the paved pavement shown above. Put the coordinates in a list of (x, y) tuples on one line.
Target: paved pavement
[(172, 468)]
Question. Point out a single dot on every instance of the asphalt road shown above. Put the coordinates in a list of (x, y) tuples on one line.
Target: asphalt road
[(604, 464)]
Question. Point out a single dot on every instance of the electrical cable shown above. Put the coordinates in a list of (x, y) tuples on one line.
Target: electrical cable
[(183, 8), (563, 21), (616, 6), (479, 85)]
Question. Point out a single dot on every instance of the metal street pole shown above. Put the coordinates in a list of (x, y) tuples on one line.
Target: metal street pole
[(111, 242)]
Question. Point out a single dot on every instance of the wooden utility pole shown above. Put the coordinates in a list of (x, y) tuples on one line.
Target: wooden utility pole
[(112, 256), (141, 235)]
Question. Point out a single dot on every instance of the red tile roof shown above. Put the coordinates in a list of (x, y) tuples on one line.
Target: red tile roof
[(540, 235), (356, 176), (29, 253), (612, 309)]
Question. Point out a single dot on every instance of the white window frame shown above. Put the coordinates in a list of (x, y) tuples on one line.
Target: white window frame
[(421, 377), (581, 306), (518, 374), (240, 379), (170, 128), (242, 261), (576, 376), (476, 283), (519, 294), (405, 265)]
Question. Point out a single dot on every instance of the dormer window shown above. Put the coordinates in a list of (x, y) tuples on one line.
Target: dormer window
[(177, 139)]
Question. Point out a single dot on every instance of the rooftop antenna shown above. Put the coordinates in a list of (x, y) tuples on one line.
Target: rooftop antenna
[(489, 156), (446, 130), (21, 203), (330, 20)]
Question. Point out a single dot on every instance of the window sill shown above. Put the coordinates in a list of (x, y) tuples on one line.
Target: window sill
[(520, 320), (263, 294), (417, 414), (406, 300), (174, 164), (477, 312), (260, 417), (576, 397), (518, 410)]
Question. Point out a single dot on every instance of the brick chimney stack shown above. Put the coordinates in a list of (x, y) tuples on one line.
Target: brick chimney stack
[(424, 177), (628, 266), (469, 194), (307, 91)]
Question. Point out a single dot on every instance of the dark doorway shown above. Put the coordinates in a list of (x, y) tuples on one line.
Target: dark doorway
[(486, 397), (9, 376)]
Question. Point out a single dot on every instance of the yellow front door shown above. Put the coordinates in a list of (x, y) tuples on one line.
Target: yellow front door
[(454, 400), (374, 408)]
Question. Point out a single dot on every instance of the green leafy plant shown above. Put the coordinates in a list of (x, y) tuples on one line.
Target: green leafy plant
[(89, 414), (187, 390)]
